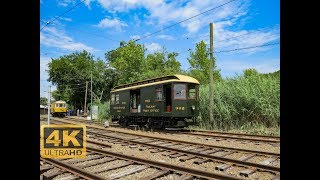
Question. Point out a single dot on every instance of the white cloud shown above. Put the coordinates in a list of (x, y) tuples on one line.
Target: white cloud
[(137, 21), (65, 3), (153, 47), (44, 76), (232, 67), (111, 23), (164, 12), (51, 37), (135, 37), (66, 19), (43, 67), (225, 39), (165, 37)]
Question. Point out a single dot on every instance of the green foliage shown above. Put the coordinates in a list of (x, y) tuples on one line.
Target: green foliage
[(70, 72), (161, 64), (128, 60), (103, 111), (254, 99), (43, 101), (132, 64), (200, 64), (250, 72)]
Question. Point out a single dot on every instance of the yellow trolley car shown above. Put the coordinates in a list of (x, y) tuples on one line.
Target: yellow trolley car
[(58, 109)]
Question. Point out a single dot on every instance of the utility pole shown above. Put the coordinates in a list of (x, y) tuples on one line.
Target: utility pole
[(211, 75), (49, 89), (91, 97), (85, 100)]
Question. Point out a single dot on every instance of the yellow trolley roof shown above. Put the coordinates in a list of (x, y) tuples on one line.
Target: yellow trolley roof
[(155, 81), (59, 102)]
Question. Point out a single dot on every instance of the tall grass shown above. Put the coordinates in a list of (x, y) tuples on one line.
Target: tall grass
[(103, 111), (242, 102), (249, 103)]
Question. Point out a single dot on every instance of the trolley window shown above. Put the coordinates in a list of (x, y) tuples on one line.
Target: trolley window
[(113, 98), (180, 91), (192, 91), (159, 94), (117, 99)]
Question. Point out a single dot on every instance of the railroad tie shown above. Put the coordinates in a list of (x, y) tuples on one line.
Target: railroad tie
[(210, 151), (222, 167), (268, 161), (200, 161), (45, 168), (156, 175), (247, 172), (107, 168), (52, 174), (176, 155), (168, 154), (246, 157), (186, 158), (69, 177), (128, 172), (97, 162), (144, 148), (85, 159), (226, 153), (157, 150), (186, 177)]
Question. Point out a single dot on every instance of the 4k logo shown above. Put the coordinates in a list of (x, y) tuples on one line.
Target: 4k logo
[(63, 141)]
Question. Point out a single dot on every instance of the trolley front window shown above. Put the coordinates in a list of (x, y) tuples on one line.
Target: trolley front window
[(180, 91), (192, 91)]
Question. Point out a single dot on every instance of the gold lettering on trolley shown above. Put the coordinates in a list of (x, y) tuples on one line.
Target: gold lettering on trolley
[(147, 100), (151, 106), (180, 108), (150, 110)]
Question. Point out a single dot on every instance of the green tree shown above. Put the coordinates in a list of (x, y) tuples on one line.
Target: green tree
[(43, 101), (161, 64), (70, 72), (200, 64), (128, 61)]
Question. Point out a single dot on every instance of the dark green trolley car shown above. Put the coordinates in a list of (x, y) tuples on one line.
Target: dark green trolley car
[(169, 101)]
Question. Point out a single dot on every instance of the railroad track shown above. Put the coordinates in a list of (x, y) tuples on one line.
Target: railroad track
[(199, 154), (219, 136), (103, 164)]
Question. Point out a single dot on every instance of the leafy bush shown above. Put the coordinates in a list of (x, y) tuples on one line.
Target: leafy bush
[(104, 111)]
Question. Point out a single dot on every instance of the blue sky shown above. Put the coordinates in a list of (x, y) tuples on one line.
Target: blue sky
[(98, 25)]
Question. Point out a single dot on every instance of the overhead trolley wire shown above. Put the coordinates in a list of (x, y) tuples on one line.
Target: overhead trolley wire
[(251, 47), (49, 22), (184, 20)]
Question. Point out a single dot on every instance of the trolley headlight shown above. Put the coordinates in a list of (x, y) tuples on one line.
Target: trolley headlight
[(193, 107)]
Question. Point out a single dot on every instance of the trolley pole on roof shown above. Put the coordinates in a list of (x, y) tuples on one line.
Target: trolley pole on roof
[(91, 98), (49, 89), (211, 75)]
